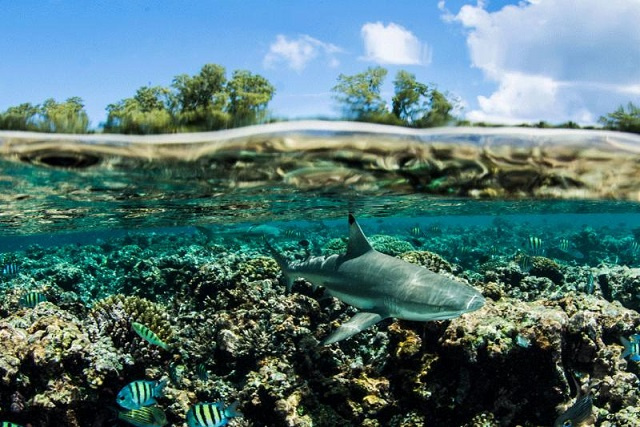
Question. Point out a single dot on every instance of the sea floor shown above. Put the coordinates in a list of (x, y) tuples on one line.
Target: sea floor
[(556, 308)]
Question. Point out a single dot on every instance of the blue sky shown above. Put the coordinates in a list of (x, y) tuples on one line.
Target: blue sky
[(506, 61)]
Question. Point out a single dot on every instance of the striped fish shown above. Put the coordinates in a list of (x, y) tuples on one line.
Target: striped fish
[(293, 233), (211, 414), (8, 424), (148, 335), (416, 231), (137, 394), (564, 245), (635, 247), (201, 372), (31, 299), (10, 269), (144, 417), (535, 245)]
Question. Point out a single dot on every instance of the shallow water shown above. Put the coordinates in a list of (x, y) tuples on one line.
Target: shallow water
[(84, 218)]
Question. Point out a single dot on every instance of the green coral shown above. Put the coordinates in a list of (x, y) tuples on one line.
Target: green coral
[(545, 267), (255, 269), (113, 316)]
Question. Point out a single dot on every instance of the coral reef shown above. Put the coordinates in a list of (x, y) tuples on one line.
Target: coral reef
[(220, 304)]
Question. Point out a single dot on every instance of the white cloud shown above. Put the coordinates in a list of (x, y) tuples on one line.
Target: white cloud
[(554, 60), (393, 44), (297, 53)]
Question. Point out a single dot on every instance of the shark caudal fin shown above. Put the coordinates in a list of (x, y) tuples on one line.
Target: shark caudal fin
[(359, 322), (358, 243), (282, 262)]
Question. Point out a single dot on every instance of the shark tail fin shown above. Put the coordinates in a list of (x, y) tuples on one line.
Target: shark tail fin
[(282, 262)]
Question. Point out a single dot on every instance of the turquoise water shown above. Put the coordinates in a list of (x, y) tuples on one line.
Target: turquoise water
[(170, 232)]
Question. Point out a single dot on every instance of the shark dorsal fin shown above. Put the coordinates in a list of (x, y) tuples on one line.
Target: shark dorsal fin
[(358, 243)]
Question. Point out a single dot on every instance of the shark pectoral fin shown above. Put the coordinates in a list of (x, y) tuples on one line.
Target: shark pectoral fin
[(359, 322)]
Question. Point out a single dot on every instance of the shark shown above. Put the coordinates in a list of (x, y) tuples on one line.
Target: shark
[(380, 286)]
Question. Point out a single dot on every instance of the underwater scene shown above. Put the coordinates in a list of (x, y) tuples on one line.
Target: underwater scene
[(320, 274)]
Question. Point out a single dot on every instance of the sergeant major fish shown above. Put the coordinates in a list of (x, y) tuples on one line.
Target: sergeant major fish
[(211, 414), (137, 394), (31, 299), (144, 417), (579, 412), (381, 286)]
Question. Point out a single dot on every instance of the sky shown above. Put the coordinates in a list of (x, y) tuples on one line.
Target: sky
[(505, 61)]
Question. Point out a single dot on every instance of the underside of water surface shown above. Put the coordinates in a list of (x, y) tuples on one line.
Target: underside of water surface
[(101, 232)]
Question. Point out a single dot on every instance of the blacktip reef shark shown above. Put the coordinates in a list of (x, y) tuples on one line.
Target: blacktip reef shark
[(380, 285)]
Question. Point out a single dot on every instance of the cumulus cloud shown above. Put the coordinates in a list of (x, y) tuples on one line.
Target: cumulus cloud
[(297, 53), (393, 44), (554, 60)]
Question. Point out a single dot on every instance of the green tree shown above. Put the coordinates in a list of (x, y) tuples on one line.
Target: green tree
[(249, 95), (203, 91), (146, 113), (22, 117), (64, 117), (200, 100), (625, 120), (410, 101), (439, 113), (359, 95)]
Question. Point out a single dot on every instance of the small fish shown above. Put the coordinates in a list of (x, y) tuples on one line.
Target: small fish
[(493, 251), (578, 412), (8, 424), (416, 231), (631, 347), (144, 417), (31, 299), (590, 286), (635, 247), (524, 262), (564, 245), (201, 372), (10, 269), (211, 414), (535, 245), (137, 394), (293, 233), (148, 335), (435, 228)]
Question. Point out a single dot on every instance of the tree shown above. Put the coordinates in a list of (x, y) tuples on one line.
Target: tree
[(410, 102), (625, 120), (22, 117), (65, 117), (439, 113), (202, 91), (359, 95), (199, 100), (146, 113), (249, 95)]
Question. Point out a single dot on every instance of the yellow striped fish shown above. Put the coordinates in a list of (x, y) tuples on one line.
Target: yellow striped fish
[(150, 416), (31, 299), (211, 414), (148, 335), (137, 394)]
